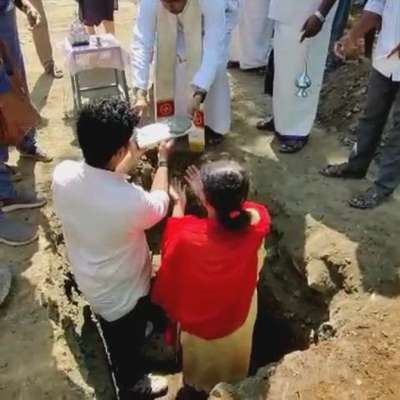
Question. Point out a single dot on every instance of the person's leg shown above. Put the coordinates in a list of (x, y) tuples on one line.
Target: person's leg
[(12, 232), (389, 164), (294, 116), (7, 190), (123, 339), (381, 94), (109, 26), (91, 30), (9, 34), (339, 25), (41, 39), (217, 106), (29, 148), (340, 21)]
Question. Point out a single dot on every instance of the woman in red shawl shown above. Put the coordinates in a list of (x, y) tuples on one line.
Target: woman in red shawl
[(207, 282)]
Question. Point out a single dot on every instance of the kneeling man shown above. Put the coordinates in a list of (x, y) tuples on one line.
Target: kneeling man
[(104, 220)]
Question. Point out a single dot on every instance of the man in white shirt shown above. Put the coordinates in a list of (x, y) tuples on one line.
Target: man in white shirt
[(193, 68), (104, 220), (383, 96), (301, 41)]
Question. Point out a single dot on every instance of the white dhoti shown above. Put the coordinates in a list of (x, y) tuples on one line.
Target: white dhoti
[(217, 106), (252, 38), (191, 50), (294, 116), (175, 74)]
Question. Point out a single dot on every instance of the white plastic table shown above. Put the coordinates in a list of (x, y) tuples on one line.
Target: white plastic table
[(104, 51)]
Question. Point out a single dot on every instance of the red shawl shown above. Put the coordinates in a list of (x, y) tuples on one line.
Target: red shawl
[(208, 274)]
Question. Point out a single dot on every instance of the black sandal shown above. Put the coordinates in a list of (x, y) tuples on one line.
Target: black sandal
[(213, 138), (266, 124), (368, 200), (233, 65), (341, 171), (292, 146)]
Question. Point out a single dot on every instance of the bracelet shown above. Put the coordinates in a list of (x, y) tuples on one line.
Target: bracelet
[(163, 164), (321, 18)]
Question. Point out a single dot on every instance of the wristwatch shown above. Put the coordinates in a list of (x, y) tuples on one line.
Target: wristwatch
[(319, 15), (202, 95), (198, 91)]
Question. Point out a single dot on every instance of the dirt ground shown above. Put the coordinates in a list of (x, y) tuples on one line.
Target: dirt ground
[(331, 276)]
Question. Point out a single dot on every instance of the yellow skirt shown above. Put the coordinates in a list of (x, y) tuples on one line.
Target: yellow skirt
[(209, 362)]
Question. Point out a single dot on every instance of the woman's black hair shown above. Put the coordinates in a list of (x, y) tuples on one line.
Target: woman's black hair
[(226, 187)]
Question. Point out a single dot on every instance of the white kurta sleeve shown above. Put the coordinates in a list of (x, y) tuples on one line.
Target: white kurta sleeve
[(144, 36), (149, 207), (214, 42), (375, 6)]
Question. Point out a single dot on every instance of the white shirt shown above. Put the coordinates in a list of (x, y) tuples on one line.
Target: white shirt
[(215, 28), (389, 36), (104, 220)]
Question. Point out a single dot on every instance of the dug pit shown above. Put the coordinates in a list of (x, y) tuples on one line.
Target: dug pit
[(289, 313)]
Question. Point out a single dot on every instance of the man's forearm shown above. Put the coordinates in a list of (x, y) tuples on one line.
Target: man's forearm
[(369, 21), (160, 181), (178, 211), (326, 6)]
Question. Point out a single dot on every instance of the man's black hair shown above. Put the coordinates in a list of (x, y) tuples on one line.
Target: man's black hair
[(104, 127)]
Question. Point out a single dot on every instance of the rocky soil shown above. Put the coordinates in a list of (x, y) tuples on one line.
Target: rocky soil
[(328, 325)]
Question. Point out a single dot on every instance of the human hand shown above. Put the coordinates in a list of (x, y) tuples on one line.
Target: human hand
[(349, 48), (134, 151), (164, 150), (141, 103), (193, 179), (130, 160), (195, 102), (395, 51), (311, 28), (177, 191), (33, 16)]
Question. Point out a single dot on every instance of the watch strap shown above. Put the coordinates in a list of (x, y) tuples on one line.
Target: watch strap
[(319, 15)]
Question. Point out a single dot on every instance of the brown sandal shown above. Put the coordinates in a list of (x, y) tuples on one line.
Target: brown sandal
[(55, 72)]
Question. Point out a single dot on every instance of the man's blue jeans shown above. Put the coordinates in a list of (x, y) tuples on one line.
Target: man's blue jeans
[(9, 34), (340, 21), (339, 25)]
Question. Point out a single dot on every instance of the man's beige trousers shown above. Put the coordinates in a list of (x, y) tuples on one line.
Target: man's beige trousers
[(41, 36)]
